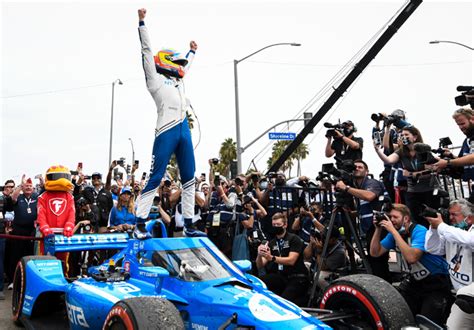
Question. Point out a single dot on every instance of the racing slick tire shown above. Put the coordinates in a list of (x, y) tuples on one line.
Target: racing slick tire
[(377, 303), (143, 313), (19, 285)]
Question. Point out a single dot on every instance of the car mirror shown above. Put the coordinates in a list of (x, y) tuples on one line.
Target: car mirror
[(244, 265)]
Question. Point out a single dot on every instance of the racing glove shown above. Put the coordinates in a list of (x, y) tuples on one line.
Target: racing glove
[(68, 229), (46, 231)]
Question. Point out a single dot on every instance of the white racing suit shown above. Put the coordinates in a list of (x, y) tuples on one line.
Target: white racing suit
[(172, 133)]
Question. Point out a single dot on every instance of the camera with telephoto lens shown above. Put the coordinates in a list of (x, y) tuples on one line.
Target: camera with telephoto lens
[(331, 132), (387, 206), (467, 97), (429, 212), (392, 119), (377, 117)]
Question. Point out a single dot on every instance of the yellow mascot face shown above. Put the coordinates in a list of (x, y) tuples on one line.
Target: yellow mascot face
[(58, 178)]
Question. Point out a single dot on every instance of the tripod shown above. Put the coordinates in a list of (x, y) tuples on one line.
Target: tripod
[(349, 235)]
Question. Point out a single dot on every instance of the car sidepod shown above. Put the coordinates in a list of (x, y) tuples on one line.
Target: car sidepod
[(212, 304)]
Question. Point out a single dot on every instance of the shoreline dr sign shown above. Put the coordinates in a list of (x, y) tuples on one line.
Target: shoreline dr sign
[(281, 136)]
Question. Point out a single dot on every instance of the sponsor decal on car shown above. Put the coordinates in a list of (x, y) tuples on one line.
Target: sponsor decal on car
[(76, 315)]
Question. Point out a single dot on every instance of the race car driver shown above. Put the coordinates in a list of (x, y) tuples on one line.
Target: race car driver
[(164, 78)]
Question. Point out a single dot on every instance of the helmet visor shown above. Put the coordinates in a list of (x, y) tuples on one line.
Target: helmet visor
[(57, 176)]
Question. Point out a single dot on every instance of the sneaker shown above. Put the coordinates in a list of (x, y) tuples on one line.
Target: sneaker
[(2, 295), (140, 232), (191, 231), (10, 286)]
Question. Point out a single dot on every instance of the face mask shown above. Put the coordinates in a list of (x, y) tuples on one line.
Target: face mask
[(279, 182), (462, 225), (405, 140), (277, 230)]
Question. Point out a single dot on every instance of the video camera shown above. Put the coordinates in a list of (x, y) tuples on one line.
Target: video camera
[(465, 98), (342, 171), (333, 128)]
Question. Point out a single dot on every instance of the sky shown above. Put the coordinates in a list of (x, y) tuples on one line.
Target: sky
[(59, 59)]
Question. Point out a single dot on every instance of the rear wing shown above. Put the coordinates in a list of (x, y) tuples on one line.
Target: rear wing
[(82, 242)]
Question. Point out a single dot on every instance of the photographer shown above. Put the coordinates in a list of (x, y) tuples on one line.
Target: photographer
[(85, 223), (282, 258), (393, 178), (456, 242), (101, 200), (421, 182), (277, 197), (221, 218), (366, 192), (345, 144), (255, 234), (335, 256), (427, 284), (307, 221)]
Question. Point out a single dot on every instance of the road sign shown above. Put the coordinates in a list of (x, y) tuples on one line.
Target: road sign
[(281, 136)]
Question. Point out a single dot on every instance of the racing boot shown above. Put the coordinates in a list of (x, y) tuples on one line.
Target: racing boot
[(140, 231), (190, 229)]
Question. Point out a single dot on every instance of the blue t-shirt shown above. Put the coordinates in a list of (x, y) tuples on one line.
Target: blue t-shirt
[(434, 264), (120, 217)]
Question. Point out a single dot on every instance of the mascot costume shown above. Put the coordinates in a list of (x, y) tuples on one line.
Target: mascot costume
[(56, 211)]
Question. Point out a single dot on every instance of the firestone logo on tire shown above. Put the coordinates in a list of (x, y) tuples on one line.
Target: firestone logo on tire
[(338, 288)]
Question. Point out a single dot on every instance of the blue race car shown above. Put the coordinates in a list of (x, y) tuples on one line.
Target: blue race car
[(149, 284)]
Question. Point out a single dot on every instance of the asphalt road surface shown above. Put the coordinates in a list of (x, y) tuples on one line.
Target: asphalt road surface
[(6, 322)]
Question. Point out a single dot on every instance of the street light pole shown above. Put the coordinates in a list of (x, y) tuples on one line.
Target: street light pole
[(236, 89), (133, 151), (450, 42), (112, 119)]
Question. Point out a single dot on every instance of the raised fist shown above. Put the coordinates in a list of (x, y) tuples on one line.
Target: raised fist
[(141, 14), (193, 45)]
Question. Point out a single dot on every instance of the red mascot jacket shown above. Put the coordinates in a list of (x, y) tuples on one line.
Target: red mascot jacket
[(55, 209)]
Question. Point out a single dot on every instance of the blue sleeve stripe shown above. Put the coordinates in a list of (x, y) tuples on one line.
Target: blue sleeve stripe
[(141, 23)]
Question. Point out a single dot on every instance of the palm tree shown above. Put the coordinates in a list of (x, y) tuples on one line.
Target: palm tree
[(277, 150), (300, 153), (227, 153)]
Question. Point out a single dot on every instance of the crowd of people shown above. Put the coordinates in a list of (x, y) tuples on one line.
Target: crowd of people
[(286, 221)]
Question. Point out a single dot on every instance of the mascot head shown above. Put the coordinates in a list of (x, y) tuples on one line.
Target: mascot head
[(170, 62), (58, 178)]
